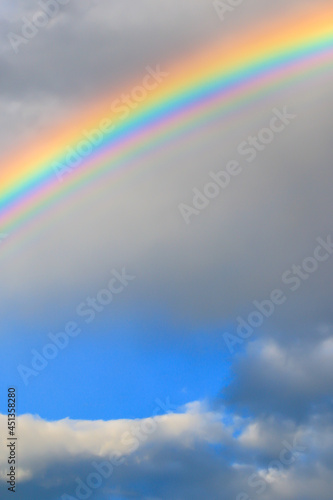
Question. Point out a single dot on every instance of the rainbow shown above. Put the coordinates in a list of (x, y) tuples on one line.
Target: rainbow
[(219, 81)]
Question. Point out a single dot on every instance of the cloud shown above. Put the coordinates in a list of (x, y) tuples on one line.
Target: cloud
[(234, 252), (174, 456), (292, 381)]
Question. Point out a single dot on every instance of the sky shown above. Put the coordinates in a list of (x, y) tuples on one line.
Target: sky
[(158, 350)]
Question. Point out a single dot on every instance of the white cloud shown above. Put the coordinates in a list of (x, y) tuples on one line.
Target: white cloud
[(195, 441), (42, 443)]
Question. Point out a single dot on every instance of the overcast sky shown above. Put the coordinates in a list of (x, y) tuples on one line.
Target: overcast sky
[(160, 378)]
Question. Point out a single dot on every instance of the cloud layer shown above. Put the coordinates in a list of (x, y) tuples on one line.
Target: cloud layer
[(187, 454)]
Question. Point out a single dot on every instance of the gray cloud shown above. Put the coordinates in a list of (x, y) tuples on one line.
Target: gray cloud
[(294, 382)]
